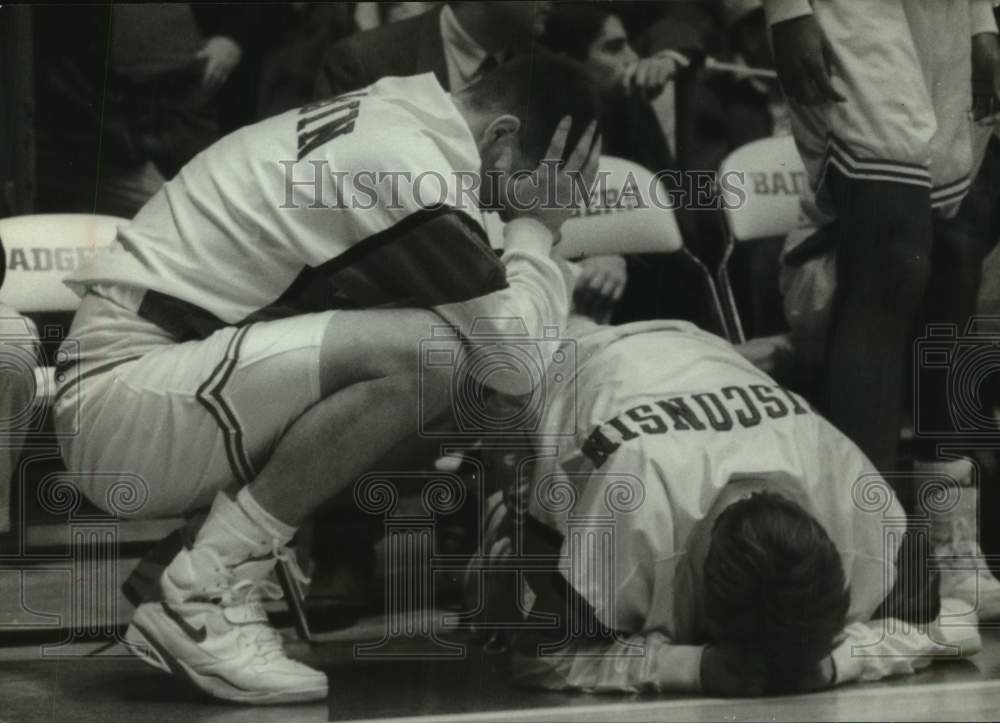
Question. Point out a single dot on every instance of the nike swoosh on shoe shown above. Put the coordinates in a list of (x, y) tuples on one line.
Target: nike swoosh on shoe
[(198, 635)]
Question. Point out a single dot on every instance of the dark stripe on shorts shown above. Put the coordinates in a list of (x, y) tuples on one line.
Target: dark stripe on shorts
[(90, 373), (875, 169), (210, 396), (950, 192), (913, 169)]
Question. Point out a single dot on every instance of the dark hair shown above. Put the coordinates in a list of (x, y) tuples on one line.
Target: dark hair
[(572, 27), (774, 584), (540, 89)]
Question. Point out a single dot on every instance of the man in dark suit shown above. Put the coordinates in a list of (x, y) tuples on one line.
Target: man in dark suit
[(458, 42)]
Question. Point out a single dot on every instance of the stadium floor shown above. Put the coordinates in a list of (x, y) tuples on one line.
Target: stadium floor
[(78, 685)]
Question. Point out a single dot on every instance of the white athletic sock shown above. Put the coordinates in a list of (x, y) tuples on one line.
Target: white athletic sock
[(232, 532), (275, 528), (244, 546)]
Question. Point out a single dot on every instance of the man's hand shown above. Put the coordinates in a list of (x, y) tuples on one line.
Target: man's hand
[(803, 58), (986, 78), (221, 55), (650, 75), (599, 286), (731, 672), (550, 193)]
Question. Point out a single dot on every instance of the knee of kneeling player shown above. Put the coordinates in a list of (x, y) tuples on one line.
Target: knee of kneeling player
[(775, 586)]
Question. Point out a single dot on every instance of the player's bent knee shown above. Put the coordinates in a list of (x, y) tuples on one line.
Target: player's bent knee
[(365, 345)]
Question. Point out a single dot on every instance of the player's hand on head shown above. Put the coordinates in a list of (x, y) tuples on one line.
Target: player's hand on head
[(803, 58), (986, 78), (732, 672), (599, 286), (221, 55), (552, 192)]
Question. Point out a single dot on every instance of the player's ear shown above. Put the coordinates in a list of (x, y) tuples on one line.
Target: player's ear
[(498, 143)]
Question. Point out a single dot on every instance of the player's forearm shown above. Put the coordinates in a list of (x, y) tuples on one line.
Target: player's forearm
[(535, 302), (637, 663), (780, 10)]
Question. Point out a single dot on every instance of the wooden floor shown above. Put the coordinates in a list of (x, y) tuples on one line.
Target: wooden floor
[(78, 685)]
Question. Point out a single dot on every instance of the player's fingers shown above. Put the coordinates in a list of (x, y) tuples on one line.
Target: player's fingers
[(214, 79), (642, 74), (678, 57), (578, 158), (663, 72), (558, 143), (590, 166), (597, 281), (608, 290)]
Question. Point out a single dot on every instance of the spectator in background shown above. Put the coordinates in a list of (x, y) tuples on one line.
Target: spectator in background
[(458, 42), (301, 31), (595, 35), (126, 96)]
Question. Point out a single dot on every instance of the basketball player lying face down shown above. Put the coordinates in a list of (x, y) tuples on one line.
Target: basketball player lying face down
[(710, 532)]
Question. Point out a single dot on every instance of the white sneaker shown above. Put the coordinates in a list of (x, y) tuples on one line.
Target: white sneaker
[(964, 572), (242, 662), (210, 627)]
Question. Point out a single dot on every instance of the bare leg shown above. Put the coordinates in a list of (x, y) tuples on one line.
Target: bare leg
[(371, 386)]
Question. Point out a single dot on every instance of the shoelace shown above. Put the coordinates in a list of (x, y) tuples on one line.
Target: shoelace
[(287, 556), (261, 635)]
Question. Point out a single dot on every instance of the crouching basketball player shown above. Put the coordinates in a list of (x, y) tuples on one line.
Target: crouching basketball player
[(236, 345), (709, 532)]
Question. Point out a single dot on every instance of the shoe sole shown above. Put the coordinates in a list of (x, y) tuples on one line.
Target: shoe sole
[(143, 645)]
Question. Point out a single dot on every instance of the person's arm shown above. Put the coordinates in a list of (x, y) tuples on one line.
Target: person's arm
[(881, 648), (802, 54), (536, 297), (985, 62), (535, 303), (631, 664)]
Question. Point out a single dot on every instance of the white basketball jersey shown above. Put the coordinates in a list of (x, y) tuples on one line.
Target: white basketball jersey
[(353, 202), (659, 418)]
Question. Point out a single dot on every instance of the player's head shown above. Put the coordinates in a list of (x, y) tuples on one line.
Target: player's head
[(774, 584), (594, 36), (513, 113)]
